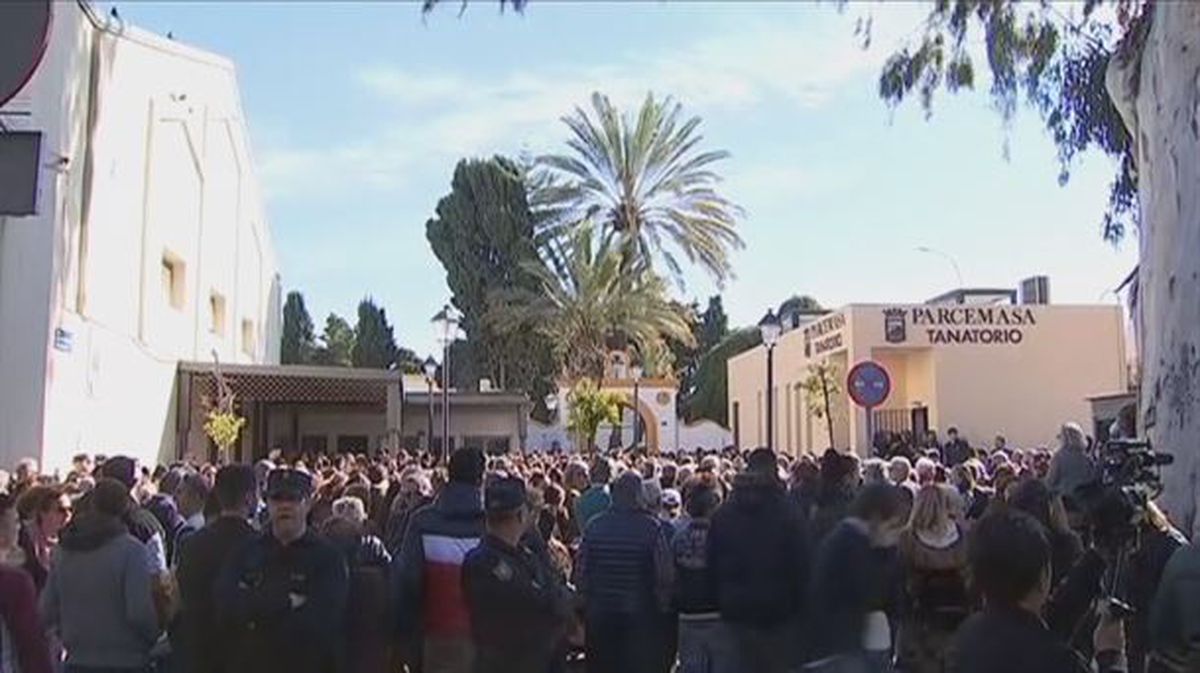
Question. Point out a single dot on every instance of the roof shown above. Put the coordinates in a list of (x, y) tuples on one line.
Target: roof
[(296, 383)]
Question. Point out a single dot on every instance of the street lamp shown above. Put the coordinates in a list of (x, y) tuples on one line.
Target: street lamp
[(770, 328), (447, 320), (430, 367), (934, 251), (552, 404), (636, 372)]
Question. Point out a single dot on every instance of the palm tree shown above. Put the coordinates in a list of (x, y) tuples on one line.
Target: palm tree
[(647, 184), (593, 298)]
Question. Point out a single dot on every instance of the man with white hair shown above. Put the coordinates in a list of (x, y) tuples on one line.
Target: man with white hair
[(1071, 466)]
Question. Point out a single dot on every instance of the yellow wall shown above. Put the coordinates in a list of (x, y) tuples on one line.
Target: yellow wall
[(1024, 390)]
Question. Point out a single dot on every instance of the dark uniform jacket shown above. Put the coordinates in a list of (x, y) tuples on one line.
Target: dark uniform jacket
[(199, 638), (271, 634), (518, 608), (1004, 640)]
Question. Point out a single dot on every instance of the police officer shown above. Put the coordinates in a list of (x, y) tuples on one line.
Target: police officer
[(518, 608), (284, 593)]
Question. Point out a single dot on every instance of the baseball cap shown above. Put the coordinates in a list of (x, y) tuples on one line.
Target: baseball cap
[(505, 494), (288, 482)]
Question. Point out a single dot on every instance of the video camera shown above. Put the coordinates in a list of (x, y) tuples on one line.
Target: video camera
[(1115, 506)]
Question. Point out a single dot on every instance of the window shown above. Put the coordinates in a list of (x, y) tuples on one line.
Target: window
[(352, 443), (248, 336), (216, 310), (735, 417), (173, 270), (314, 443)]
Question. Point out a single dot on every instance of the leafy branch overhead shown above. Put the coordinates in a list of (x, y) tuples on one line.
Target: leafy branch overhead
[(1034, 52)]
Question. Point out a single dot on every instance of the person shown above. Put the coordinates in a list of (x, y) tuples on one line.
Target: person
[(1071, 466), (956, 451), (283, 594), (1174, 625), (98, 596), (414, 491), (672, 502), (144, 526), (999, 444), (758, 556), (198, 638), (1035, 499), (1158, 541), (518, 608), (703, 642), (25, 475), (624, 574), (190, 496), (27, 649), (596, 499), (44, 511), (848, 592), (933, 552), (367, 646), (1009, 558), (431, 613)]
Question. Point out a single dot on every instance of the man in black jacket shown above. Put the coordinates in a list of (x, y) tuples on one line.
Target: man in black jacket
[(1010, 564), (758, 558), (283, 594), (198, 638), (625, 575)]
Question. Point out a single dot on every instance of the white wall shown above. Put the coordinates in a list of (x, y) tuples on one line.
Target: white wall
[(169, 173)]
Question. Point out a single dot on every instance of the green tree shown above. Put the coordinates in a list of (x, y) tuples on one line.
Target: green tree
[(596, 299), (374, 343), (644, 181), (821, 386), (588, 408), (483, 234), (298, 345), (709, 399), (337, 343), (708, 329)]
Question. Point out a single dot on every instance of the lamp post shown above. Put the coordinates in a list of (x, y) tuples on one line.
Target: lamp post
[(770, 328), (430, 367), (934, 251), (636, 372), (447, 320)]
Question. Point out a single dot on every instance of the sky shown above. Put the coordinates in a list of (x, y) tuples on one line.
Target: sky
[(358, 113)]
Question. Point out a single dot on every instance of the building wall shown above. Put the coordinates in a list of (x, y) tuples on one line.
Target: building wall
[(164, 176), (1025, 390)]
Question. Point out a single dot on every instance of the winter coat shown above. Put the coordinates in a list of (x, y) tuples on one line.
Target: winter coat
[(198, 637), (98, 595), (427, 572), (625, 564), (758, 554)]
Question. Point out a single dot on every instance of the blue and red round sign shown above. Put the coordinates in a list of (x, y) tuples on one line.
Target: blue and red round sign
[(868, 384)]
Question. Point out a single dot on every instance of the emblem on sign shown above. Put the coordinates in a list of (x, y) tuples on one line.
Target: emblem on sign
[(895, 328)]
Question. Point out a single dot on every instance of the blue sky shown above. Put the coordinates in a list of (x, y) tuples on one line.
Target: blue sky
[(359, 111)]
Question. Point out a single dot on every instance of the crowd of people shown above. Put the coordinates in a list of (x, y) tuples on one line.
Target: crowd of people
[(920, 559)]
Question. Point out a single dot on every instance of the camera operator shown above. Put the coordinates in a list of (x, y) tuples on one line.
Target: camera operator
[(1010, 562), (1174, 628)]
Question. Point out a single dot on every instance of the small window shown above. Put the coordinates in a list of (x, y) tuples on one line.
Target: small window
[(356, 444), (172, 280), (216, 310), (314, 444), (248, 337)]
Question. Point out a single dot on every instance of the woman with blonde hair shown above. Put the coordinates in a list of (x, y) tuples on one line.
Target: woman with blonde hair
[(933, 553)]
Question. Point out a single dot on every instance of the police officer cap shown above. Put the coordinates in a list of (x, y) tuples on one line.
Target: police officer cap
[(288, 482), (505, 494)]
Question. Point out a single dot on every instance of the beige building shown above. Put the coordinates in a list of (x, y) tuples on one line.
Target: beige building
[(985, 368)]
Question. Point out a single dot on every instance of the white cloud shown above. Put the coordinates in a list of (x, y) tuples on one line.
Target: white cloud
[(448, 114)]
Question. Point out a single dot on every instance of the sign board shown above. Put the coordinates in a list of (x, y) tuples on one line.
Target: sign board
[(868, 384), (63, 340), (959, 324), (24, 33), (824, 335)]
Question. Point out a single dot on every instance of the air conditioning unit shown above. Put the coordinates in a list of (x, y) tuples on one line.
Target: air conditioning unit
[(1035, 290)]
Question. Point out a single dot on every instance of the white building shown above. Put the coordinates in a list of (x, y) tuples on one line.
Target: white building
[(148, 244)]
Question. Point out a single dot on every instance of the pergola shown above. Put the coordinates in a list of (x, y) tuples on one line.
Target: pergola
[(258, 387)]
